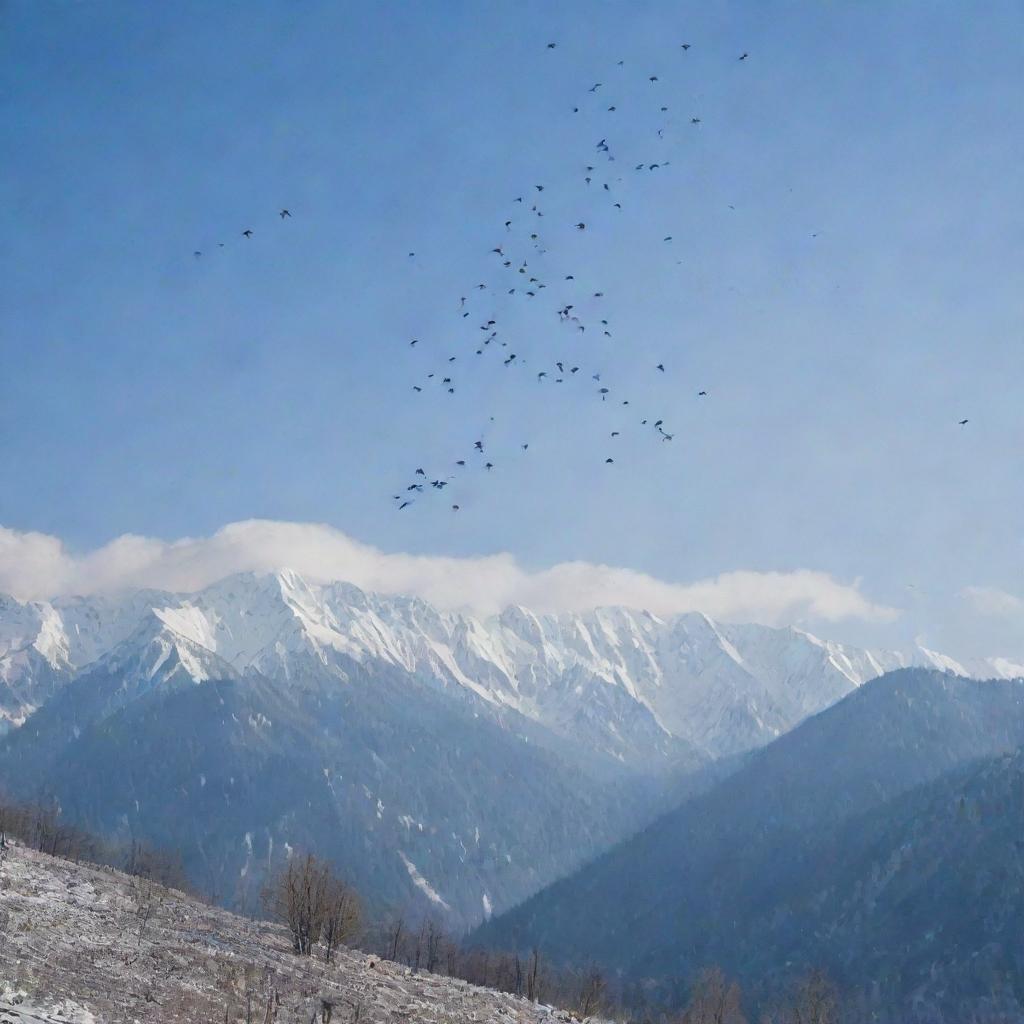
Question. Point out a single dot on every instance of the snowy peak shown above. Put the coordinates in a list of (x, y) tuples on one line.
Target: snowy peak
[(157, 655), (626, 683)]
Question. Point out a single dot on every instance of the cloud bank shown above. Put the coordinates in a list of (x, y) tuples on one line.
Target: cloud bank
[(995, 603), (37, 566)]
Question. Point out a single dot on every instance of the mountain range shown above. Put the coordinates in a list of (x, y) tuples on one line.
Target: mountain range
[(879, 840), (451, 763)]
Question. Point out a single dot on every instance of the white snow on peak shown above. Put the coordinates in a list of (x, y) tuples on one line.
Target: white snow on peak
[(942, 661), (1003, 668), (626, 683)]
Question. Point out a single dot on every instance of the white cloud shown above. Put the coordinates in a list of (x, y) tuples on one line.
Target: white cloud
[(994, 602), (37, 566)]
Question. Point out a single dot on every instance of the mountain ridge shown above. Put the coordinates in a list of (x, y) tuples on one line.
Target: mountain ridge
[(688, 681)]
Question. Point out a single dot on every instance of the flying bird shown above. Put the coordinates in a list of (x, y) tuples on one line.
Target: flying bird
[(963, 423), (284, 213), (247, 232), (744, 56), (661, 367), (701, 394), (551, 46)]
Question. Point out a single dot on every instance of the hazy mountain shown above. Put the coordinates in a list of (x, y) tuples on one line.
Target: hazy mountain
[(832, 846), (626, 683), (447, 761), (426, 803)]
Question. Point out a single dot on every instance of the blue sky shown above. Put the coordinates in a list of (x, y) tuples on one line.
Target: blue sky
[(844, 280)]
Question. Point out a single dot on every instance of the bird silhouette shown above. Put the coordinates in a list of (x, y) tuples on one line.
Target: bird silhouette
[(247, 232), (284, 213), (963, 423)]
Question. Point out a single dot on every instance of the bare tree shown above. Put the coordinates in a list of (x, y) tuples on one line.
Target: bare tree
[(396, 932), (297, 897), (434, 938), (714, 1000), (146, 897), (533, 976), (813, 1000), (592, 991), (342, 915)]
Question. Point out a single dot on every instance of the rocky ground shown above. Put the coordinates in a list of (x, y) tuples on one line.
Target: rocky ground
[(82, 945)]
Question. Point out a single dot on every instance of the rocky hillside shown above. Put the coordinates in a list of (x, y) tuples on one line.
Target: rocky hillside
[(81, 945)]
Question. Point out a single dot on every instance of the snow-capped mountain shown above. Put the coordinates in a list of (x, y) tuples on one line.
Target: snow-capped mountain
[(447, 762), (624, 682)]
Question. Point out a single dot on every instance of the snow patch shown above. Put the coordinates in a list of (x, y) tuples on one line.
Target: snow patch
[(421, 883)]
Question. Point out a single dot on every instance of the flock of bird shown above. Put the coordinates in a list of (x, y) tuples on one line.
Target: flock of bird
[(284, 214), (521, 270)]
